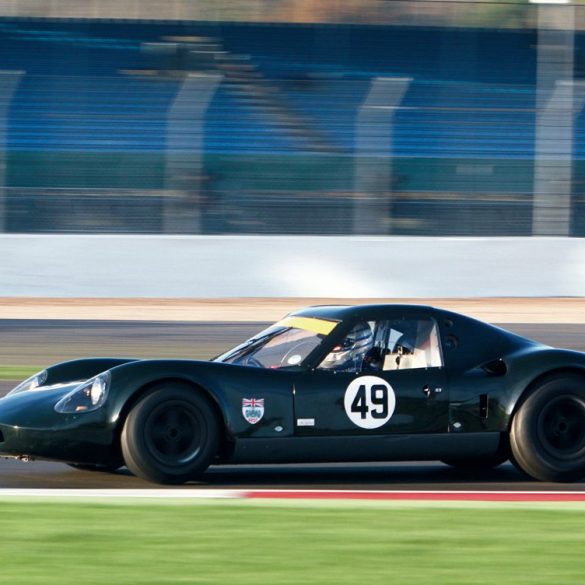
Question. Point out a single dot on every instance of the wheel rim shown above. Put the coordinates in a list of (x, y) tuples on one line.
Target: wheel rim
[(175, 433), (561, 427)]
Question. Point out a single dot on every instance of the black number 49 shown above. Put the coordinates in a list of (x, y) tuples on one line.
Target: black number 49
[(378, 399)]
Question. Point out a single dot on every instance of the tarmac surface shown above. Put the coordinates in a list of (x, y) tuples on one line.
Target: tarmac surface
[(427, 476), (42, 342)]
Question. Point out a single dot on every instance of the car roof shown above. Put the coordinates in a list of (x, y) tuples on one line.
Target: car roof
[(343, 312)]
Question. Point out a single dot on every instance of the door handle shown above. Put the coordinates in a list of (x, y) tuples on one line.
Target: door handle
[(428, 391)]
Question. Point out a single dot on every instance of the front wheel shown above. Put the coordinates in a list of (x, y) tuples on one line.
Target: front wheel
[(547, 435), (171, 435)]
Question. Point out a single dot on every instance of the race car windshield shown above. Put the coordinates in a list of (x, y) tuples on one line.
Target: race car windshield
[(285, 344)]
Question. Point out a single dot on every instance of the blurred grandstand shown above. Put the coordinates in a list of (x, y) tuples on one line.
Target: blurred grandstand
[(346, 117)]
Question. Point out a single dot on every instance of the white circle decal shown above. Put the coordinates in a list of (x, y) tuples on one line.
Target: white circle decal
[(369, 402)]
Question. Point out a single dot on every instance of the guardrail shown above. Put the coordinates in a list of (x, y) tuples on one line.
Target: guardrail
[(66, 266)]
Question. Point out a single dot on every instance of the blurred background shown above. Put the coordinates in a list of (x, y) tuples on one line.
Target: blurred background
[(335, 117)]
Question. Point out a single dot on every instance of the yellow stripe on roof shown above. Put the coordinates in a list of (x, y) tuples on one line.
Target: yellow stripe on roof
[(320, 326)]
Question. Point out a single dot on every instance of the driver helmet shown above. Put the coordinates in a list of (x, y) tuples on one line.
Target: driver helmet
[(350, 353)]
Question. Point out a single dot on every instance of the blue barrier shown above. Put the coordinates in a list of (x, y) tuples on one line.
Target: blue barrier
[(472, 93)]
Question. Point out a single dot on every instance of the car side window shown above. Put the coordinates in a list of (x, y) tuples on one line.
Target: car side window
[(413, 344), (373, 346), (349, 355)]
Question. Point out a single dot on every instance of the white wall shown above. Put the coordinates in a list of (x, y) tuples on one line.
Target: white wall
[(283, 266)]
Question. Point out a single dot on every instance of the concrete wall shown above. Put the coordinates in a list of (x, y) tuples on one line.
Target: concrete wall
[(284, 266)]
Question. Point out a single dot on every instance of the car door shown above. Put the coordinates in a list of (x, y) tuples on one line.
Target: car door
[(382, 400)]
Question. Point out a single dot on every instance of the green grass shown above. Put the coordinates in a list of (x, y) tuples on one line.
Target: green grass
[(17, 372), (251, 543)]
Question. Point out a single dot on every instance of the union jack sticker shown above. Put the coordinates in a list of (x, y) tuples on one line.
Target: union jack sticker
[(253, 409)]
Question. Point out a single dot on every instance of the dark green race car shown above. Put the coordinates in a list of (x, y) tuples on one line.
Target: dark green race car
[(330, 383)]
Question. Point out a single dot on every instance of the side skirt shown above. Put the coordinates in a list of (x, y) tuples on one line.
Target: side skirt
[(371, 448)]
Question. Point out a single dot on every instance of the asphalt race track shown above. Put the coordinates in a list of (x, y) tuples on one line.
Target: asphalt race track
[(39, 343)]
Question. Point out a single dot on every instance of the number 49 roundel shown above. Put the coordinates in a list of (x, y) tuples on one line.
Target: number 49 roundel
[(369, 402)]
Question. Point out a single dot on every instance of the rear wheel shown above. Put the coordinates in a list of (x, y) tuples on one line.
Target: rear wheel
[(171, 435), (547, 435)]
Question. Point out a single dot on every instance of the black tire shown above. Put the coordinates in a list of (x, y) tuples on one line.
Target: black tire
[(101, 468), (547, 436), (171, 435)]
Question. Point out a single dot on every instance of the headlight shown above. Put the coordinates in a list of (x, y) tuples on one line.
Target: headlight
[(88, 396), (31, 383)]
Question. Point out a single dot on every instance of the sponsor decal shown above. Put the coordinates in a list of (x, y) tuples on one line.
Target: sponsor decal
[(253, 409), (369, 402)]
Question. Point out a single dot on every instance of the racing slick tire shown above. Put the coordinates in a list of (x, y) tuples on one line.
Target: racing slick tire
[(171, 435), (547, 435)]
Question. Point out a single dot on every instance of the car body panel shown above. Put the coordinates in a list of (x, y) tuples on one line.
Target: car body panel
[(319, 396), (399, 447)]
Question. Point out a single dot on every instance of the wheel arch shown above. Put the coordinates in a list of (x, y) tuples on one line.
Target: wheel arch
[(226, 442), (541, 379)]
